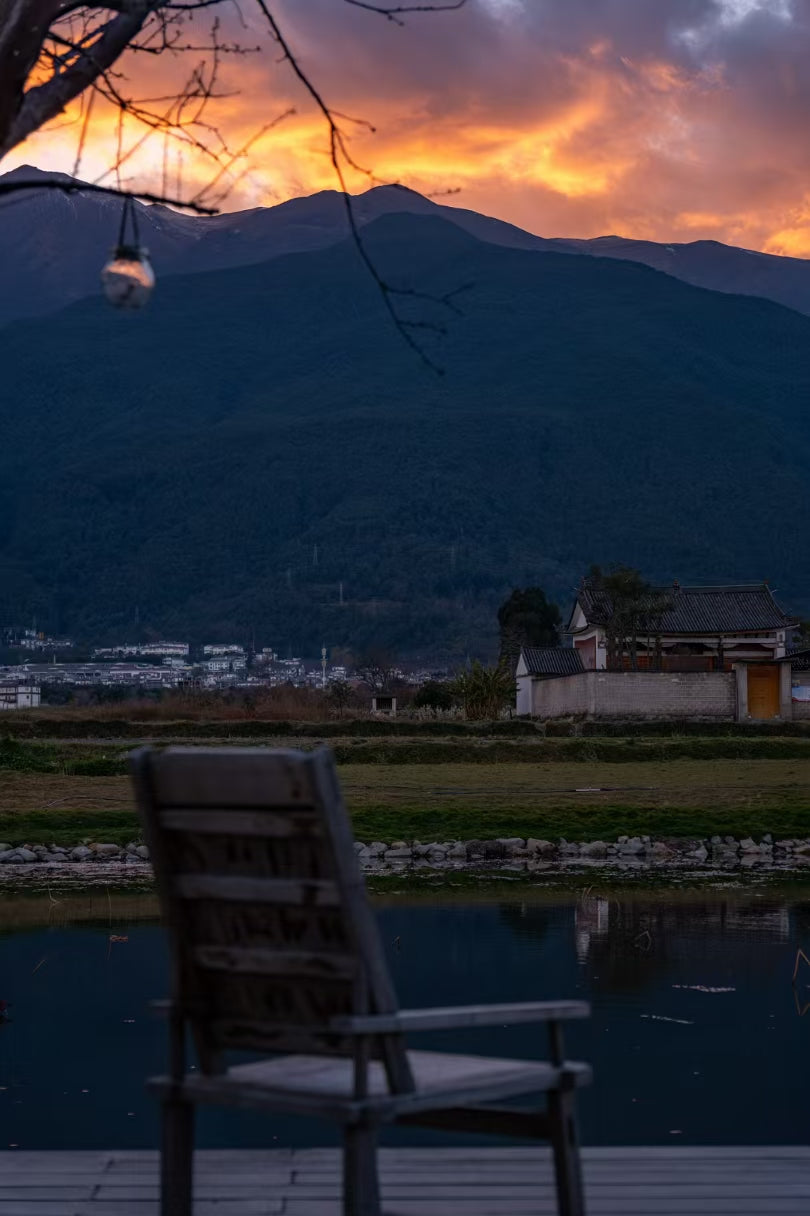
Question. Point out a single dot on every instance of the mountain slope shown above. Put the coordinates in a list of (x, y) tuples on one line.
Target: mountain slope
[(52, 245), (222, 462)]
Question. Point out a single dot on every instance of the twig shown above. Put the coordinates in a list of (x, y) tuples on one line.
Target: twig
[(71, 187)]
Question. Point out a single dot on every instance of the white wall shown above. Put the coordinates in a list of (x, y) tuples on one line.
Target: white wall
[(637, 694)]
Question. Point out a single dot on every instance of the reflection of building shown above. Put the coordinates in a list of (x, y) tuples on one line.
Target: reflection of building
[(591, 920), (772, 922)]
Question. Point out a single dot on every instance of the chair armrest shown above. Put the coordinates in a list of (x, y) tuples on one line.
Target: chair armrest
[(462, 1016)]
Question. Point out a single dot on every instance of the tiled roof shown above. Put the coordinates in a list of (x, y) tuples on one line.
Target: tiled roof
[(799, 659), (699, 610), (552, 660)]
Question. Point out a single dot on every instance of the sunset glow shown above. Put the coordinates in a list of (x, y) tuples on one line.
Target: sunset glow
[(673, 121)]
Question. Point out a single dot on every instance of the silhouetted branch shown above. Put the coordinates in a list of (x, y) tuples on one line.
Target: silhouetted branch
[(69, 186)]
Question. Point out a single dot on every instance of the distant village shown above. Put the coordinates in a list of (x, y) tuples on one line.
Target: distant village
[(166, 665)]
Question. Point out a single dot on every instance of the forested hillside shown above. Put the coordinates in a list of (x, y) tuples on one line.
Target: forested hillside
[(221, 463)]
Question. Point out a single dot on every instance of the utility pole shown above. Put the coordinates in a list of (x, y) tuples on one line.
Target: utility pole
[(323, 667)]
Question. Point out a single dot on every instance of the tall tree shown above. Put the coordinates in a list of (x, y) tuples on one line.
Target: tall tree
[(527, 618), (634, 609)]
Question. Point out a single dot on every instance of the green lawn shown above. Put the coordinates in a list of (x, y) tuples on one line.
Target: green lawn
[(578, 800)]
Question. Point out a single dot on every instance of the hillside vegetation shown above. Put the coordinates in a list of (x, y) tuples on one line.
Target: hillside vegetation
[(217, 466)]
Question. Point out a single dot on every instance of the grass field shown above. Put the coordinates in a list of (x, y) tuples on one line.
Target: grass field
[(581, 800)]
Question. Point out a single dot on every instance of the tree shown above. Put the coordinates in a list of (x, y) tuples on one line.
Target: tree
[(484, 691), (340, 696), (56, 52), (434, 695), (376, 667), (526, 619), (633, 609)]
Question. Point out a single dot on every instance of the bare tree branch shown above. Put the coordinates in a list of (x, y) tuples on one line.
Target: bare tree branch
[(69, 186), (395, 12), (55, 51)]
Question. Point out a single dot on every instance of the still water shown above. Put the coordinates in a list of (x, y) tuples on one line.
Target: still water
[(697, 1035)]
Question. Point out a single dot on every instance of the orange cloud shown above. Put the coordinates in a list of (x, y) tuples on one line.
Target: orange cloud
[(678, 120)]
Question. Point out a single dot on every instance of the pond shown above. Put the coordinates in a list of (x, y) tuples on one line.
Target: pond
[(697, 1034)]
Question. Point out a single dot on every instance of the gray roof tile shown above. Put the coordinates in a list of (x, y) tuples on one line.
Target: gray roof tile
[(700, 610), (552, 660)]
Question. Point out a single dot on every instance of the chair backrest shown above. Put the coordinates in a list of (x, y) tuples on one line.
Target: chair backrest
[(270, 927)]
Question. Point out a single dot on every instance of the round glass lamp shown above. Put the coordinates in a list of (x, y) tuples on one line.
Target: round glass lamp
[(128, 277)]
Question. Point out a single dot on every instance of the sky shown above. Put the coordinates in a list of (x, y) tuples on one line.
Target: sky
[(670, 120)]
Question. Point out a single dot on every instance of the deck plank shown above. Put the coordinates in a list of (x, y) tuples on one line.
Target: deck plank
[(661, 1181)]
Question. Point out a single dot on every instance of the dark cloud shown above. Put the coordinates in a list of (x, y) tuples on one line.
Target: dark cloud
[(673, 119)]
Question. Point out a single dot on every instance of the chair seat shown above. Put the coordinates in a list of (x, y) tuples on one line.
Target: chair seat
[(323, 1085)]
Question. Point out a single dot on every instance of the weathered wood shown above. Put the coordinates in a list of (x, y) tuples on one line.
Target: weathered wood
[(517, 1122), (260, 823), (275, 948), (514, 1181), (256, 961), (238, 777), (459, 1017), (176, 1158), (309, 892), (379, 989)]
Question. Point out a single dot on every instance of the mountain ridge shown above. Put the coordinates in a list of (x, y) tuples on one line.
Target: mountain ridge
[(52, 251)]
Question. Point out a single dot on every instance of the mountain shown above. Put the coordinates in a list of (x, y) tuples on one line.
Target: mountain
[(221, 463), (52, 245)]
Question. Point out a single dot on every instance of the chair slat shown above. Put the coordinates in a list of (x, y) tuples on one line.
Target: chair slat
[(198, 778), (224, 822), (313, 893), (291, 963)]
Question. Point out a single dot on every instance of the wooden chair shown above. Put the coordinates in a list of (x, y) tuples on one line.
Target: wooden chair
[(275, 950)]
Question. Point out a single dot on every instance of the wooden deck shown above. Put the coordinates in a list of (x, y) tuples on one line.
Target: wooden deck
[(667, 1181)]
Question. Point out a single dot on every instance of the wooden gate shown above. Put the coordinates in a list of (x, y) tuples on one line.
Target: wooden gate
[(763, 690)]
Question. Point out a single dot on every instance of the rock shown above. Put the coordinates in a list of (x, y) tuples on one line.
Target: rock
[(730, 839), (57, 850), (494, 850), (398, 853), (458, 852), (786, 846), (8, 855), (106, 850), (595, 848), (81, 853), (359, 846), (631, 847), (512, 844), (700, 853), (767, 838), (717, 840), (142, 852), (568, 850), (422, 850), (543, 847), (5, 848), (399, 844), (622, 840), (661, 851), (377, 848), (748, 845), (437, 852)]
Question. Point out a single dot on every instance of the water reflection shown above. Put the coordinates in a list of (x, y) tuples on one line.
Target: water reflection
[(696, 1031)]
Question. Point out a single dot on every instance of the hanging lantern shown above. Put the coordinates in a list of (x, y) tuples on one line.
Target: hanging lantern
[(128, 277)]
